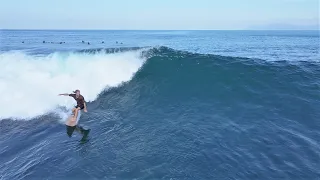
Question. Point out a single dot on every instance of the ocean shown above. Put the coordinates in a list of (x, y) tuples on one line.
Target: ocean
[(161, 104)]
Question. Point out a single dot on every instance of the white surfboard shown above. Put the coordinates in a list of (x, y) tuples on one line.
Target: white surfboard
[(71, 121)]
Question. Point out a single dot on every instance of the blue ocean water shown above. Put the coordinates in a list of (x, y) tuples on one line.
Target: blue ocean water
[(161, 104)]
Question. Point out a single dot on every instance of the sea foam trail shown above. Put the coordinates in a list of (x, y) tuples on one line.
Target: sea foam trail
[(29, 84)]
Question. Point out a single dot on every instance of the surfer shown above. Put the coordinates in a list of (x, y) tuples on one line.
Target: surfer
[(72, 122), (81, 104)]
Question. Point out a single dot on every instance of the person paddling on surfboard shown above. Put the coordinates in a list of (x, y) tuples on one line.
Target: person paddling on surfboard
[(81, 104)]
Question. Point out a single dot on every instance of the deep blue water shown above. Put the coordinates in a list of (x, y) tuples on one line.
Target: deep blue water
[(161, 104)]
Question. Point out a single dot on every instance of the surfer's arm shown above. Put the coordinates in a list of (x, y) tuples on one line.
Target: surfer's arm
[(65, 94), (85, 107)]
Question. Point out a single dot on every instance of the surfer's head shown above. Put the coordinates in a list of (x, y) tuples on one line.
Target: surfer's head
[(77, 92)]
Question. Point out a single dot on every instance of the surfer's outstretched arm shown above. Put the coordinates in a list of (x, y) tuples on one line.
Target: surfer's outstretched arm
[(65, 94)]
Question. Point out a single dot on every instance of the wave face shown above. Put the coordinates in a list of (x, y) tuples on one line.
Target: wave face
[(221, 80), (29, 84), (204, 114), (177, 115)]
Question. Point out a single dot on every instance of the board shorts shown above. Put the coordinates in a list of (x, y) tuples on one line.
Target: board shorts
[(81, 107)]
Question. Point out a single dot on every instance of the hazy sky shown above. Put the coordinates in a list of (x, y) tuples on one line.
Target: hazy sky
[(159, 14)]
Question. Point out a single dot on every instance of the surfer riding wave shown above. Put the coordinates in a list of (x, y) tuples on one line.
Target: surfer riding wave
[(72, 122), (81, 104)]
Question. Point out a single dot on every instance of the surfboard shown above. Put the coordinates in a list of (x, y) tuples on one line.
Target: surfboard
[(71, 121)]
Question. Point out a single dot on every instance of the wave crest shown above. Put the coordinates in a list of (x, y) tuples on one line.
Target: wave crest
[(29, 84)]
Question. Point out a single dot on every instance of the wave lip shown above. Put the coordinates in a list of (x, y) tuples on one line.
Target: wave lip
[(29, 84)]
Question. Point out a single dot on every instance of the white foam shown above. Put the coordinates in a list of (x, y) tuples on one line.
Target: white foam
[(29, 84)]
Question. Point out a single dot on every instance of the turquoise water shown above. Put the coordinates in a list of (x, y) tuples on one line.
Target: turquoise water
[(161, 104)]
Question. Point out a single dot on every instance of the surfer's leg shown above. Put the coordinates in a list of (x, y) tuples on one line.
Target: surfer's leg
[(70, 130), (76, 112), (78, 129), (73, 111)]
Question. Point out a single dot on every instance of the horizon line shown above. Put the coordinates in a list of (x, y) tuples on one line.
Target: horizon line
[(27, 29)]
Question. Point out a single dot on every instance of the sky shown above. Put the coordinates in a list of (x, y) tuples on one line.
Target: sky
[(159, 14)]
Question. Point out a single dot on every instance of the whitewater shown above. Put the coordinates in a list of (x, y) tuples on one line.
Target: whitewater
[(29, 84)]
